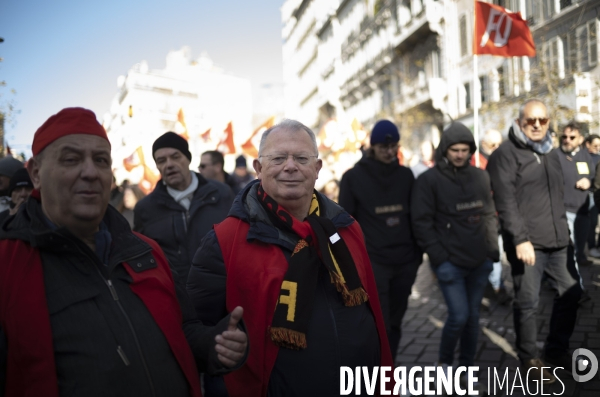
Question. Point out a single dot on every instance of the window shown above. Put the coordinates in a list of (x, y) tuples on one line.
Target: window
[(532, 11), (501, 82), (468, 103), (483, 84), (554, 58), (571, 51), (587, 42), (548, 8), (464, 36)]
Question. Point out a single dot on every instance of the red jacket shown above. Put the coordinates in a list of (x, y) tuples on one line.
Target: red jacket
[(259, 298), (25, 320)]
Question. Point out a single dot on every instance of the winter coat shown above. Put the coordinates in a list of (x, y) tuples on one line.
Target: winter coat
[(177, 231), (377, 195), (243, 262), (72, 323), (453, 215), (529, 195), (574, 167)]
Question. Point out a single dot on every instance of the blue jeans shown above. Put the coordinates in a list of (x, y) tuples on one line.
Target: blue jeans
[(463, 291)]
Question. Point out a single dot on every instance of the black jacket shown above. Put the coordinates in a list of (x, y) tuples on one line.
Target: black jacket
[(574, 167), (377, 195), (88, 324), (529, 195), (337, 335), (177, 231), (453, 214)]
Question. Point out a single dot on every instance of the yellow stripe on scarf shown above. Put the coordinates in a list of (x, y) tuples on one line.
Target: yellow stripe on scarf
[(314, 208)]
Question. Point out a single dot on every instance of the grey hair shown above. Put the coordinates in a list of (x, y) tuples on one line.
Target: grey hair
[(292, 126), (527, 102)]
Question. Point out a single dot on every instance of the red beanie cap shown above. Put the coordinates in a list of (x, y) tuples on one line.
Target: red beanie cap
[(68, 121)]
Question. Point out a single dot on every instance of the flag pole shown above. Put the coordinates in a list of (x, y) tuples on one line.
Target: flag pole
[(476, 100)]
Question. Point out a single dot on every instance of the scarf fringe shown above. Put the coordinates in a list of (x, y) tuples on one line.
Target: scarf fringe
[(355, 297), (290, 339)]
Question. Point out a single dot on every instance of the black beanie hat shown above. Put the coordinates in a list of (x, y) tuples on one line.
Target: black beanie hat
[(240, 161), (20, 179), (172, 140), (384, 132)]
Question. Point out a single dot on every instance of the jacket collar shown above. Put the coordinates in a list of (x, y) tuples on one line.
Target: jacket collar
[(247, 208), (30, 225), (205, 188)]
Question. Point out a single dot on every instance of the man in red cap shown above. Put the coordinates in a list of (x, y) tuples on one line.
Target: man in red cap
[(88, 307)]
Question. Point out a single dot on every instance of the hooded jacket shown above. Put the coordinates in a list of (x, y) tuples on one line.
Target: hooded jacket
[(177, 231), (243, 262), (528, 192), (453, 214), (377, 195)]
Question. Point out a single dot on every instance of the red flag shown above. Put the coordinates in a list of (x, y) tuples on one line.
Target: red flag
[(226, 145), (205, 135), (136, 159), (181, 120), (8, 151), (502, 33), (249, 147), (148, 181)]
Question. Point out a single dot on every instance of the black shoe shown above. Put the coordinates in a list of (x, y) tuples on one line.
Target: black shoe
[(538, 372), (563, 360)]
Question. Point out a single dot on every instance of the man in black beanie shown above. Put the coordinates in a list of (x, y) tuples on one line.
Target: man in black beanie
[(183, 206), (376, 192)]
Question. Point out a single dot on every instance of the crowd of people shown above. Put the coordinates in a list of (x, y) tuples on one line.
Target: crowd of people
[(230, 285)]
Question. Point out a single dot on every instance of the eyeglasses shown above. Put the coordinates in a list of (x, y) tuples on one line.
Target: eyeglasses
[(531, 122), (571, 138), (387, 146), (280, 158)]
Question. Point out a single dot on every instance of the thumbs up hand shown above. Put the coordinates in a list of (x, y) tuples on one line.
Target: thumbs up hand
[(232, 343)]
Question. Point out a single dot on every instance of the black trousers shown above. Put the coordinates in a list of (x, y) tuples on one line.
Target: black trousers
[(527, 282), (394, 283)]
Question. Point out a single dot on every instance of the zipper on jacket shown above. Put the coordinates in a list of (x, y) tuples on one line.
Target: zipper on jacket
[(537, 157), (123, 356), (115, 296)]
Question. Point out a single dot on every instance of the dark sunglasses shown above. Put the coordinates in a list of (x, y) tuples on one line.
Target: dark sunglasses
[(531, 122), (571, 138)]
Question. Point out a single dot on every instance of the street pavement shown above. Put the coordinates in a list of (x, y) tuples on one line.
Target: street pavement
[(421, 333)]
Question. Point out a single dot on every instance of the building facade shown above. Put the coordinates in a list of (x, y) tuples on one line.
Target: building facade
[(411, 61), (188, 96)]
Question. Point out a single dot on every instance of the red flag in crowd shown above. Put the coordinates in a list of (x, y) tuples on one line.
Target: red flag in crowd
[(181, 120), (8, 151), (149, 180), (502, 33), (205, 135), (136, 159), (226, 145), (249, 147)]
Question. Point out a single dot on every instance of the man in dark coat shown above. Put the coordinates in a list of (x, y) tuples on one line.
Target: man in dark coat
[(299, 263), (578, 173), (454, 221), (183, 206), (87, 307), (528, 187), (376, 192)]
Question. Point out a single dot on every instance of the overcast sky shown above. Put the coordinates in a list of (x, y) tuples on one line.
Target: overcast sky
[(63, 53)]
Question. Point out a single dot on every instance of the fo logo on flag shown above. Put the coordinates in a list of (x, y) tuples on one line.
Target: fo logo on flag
[(502, 33)]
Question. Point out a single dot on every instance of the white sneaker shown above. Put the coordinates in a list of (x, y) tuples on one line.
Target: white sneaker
[(595, 252)]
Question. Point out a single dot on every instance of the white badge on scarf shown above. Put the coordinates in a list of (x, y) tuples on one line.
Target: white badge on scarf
[(335, 238)]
